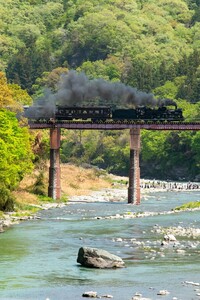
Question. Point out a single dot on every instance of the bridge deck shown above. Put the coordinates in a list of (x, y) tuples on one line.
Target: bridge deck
[(118, 126)]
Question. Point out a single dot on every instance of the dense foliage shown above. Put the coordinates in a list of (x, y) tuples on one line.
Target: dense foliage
[(151, 45), (15, 155), (15, 146), (15, 150), (142, 43)]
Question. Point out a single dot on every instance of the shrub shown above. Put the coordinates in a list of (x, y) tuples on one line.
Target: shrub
[(6, 200), (39, 186)]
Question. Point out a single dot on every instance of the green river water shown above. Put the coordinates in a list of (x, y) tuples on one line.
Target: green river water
[(38, 257)]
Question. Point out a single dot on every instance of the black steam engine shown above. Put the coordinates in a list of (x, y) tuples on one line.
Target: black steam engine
[(104, 113), (99, 114)]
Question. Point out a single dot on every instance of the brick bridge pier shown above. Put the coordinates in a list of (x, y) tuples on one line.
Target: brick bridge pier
[(54, 189), (134, 170)]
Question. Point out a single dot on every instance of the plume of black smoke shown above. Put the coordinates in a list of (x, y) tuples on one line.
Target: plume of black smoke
[(43, 108), (77, 89)]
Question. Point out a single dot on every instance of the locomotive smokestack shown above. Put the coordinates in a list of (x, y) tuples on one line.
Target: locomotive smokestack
[(166, 102)]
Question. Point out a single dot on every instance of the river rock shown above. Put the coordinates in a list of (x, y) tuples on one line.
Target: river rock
[(169, 238), (98, 258), (90, 294), (163, 292)]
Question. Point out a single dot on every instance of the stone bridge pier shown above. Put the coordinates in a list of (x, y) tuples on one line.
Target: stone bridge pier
[(134, 171)]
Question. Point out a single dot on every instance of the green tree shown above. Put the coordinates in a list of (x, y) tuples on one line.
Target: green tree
[(12, 96), (15, 155)]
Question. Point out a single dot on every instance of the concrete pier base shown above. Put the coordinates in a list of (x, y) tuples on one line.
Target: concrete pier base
[(54, 189), (134, 171)]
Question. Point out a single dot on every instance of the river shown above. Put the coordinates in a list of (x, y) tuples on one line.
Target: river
[(38, 257)]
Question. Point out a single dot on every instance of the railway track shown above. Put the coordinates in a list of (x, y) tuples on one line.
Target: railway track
[(117, 125)]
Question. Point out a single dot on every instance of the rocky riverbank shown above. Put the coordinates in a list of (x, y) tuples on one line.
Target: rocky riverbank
[(9, 219), (117, 193)]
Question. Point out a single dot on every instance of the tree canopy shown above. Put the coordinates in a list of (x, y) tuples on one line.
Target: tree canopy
[(15, 143), (15, 150), (15, 156), (148, 41)]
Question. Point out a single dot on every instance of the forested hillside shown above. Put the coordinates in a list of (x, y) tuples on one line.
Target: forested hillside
[(141, 43), (150, 45)]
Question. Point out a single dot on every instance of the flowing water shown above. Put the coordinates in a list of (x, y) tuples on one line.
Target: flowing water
[(38, 257)]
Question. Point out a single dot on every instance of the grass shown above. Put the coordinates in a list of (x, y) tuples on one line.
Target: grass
[(22, 209), (120, 181), (25, 213), (189, 205), (75, 181), (1, 215), (45, 199)]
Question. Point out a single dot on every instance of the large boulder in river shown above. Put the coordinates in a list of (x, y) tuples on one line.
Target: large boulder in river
[(98, 258)]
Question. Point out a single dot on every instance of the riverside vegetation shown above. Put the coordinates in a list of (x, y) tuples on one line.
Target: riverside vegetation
[(150, 45), (30, 196), (189, 206)]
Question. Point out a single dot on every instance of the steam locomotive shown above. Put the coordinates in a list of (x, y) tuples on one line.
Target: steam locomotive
[(97, 114), (103, 113)]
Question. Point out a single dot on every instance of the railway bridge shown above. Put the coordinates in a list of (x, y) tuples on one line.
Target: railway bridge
[(54, 188)]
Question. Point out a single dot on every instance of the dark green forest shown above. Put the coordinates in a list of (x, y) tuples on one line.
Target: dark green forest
[(150, 45)]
